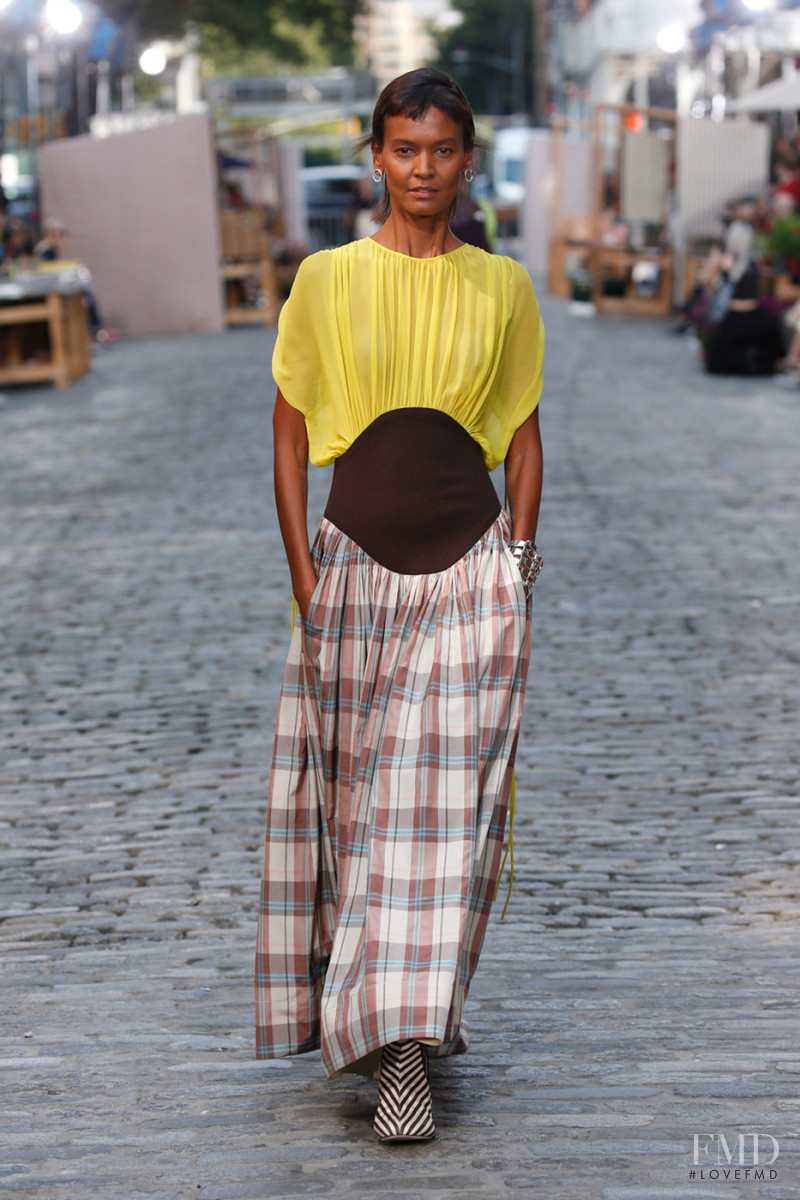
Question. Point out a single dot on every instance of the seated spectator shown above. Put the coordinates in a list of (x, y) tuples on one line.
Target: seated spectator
[(17, 240), (791, 363), (746, 338), (706, 281), (786, 192), (51, 248)]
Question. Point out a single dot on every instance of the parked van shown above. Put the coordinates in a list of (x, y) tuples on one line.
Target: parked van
[(329, 194)]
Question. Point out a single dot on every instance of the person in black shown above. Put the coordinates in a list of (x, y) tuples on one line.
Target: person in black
[(748, 339)]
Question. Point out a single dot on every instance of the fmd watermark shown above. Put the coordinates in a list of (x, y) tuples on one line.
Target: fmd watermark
[(726, 1159)]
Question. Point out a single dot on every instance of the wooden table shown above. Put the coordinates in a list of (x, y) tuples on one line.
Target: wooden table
[(561, 250), (611, 263), (44, 330)]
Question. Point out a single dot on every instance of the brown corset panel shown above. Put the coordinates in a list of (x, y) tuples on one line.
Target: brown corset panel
[(413, 491)]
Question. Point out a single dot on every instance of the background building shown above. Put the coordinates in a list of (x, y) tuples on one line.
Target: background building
[(394, 36)]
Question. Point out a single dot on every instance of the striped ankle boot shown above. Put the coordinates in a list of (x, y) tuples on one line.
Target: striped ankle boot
[(405, 1109)]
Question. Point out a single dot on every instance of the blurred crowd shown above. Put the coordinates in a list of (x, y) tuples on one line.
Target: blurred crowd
[(23, 243), (17, 240), (25, 246), (744, 304)]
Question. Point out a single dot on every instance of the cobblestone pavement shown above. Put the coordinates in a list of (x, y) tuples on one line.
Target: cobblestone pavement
[(644, 986)]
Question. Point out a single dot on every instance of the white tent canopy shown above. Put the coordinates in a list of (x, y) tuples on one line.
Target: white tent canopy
[(781, 96)]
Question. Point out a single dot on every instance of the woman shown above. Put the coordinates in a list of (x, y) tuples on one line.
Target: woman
[(413, 362), (746, 338)]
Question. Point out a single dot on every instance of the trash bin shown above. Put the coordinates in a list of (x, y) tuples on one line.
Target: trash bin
[(581, 284)]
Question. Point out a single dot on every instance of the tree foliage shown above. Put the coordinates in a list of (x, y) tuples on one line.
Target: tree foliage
[(271, 25), (491, 54), (294, 47)]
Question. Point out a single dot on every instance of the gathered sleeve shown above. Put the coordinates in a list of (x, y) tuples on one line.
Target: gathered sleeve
[(297, 361), (517, 384)]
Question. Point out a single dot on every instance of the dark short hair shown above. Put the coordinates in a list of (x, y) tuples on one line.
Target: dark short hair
[(411, 95)]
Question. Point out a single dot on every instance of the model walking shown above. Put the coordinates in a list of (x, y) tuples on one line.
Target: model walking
[(413, 362)]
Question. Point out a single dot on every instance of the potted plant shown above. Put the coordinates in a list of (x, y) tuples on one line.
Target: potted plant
[(784, 243)]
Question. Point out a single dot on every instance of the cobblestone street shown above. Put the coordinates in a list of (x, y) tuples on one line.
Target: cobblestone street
[(645, 985)]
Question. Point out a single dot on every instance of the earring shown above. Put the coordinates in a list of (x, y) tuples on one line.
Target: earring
[(377, 174), (468, 175)]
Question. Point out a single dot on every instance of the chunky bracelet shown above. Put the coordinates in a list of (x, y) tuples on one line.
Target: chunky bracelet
[(528, 560)]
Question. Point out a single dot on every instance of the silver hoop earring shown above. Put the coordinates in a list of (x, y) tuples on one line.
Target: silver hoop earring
[(377, 174), (468, 175)]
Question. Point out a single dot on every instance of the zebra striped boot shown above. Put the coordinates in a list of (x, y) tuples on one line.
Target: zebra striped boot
[(405, 1109)]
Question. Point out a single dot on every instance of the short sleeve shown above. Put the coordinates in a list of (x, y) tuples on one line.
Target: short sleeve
[(297, 358), (518, 383)]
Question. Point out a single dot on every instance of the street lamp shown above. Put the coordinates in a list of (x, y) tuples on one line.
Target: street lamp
[(153, 61), (671, 39), (63, 16)]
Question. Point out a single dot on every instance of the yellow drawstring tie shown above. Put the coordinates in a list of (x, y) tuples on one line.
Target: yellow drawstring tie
[(509, 848)]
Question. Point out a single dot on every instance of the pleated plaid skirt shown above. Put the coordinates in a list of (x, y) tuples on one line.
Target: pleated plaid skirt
[(395, 742)]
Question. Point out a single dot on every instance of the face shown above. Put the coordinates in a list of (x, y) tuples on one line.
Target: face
[(423, 162)]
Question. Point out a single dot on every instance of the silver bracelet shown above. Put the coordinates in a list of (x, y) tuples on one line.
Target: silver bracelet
[(528, 560)]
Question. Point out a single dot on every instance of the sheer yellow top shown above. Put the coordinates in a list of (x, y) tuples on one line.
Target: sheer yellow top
[(366, 330)]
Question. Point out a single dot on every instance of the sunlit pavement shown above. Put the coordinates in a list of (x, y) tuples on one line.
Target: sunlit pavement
[(644, 987)]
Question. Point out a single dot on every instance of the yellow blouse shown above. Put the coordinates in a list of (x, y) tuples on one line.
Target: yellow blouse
[(367, 330)]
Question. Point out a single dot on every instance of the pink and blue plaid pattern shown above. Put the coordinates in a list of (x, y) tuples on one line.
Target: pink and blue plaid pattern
[(391, 771)]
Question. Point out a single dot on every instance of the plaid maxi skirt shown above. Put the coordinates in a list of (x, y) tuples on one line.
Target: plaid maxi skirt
[(396, 734)]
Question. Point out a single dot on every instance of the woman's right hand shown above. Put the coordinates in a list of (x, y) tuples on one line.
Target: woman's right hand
[(303, 596)]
